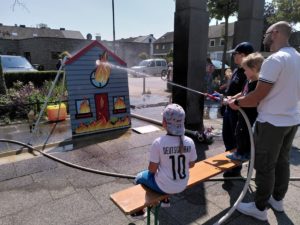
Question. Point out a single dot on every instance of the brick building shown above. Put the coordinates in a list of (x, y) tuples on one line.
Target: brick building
[(42, 46)]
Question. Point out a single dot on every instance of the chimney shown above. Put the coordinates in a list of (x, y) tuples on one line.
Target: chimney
[(98, 38)]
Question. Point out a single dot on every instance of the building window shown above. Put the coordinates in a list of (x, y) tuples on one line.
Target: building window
[(212, 43), (222, 42), (55, 55), (27, 56), (157, 47), (163, 47)]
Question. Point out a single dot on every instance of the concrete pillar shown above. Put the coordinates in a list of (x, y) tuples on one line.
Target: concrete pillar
[(249, 26), (190, 51)]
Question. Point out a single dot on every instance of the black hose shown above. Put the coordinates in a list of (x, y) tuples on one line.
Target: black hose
[(119, 175)]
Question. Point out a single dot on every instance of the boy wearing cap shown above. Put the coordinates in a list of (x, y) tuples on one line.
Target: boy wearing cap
[(235, 86), (170, 157)]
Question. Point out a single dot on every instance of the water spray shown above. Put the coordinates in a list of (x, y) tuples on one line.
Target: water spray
[(216, 96)]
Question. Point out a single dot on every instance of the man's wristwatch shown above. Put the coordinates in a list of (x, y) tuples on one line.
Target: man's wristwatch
[(236, 102)]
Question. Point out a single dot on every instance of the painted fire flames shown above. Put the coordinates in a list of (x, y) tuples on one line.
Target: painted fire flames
[(102, 124), (84, 106), (103, 70), (119, 104)]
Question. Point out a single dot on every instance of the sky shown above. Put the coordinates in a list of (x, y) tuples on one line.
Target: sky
[(132, 17)]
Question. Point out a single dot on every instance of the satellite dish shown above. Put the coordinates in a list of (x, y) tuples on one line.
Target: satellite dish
[(89, 36)]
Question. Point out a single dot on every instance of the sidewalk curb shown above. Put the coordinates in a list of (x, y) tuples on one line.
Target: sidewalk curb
[(38, 147)]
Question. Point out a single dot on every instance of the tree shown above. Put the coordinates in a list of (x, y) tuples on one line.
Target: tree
[(18, 3), (287, 10), (219, 9), (42, 25), (269, 12), (3, 89), (143, 55)]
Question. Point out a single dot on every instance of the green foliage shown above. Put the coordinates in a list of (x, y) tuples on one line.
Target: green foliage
[(36, 77), (21, 98), (269, 12), (3, 88), (220, 9), (169, 56), (287, 10), (143, 55)]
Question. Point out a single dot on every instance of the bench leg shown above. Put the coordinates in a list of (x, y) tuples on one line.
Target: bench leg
[(155, 213), (148, 215), (156, 208)]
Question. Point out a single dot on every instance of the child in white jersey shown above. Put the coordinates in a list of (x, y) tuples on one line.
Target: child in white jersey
[(170, 157)]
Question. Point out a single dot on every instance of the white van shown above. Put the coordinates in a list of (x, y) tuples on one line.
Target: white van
[(150, 67)]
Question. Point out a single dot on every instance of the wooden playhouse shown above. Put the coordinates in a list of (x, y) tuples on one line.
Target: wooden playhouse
[(98, 94)]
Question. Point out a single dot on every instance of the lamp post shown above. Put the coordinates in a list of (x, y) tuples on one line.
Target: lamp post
[(114, 35)]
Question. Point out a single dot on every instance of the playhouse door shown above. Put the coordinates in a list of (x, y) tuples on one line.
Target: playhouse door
[(101, 102)]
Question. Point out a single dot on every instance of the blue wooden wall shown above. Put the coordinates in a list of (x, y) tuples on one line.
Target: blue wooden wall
[(79, 86)]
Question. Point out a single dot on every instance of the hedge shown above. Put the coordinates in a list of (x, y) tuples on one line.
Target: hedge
[(36, 77)]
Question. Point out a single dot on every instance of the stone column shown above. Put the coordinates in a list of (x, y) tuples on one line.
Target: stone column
[(249, 26), (190, 52)]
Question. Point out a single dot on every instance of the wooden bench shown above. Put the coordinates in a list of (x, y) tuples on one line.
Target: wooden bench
[(137, 197)]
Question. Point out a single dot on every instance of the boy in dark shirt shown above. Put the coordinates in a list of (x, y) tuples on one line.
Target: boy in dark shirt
[(251, 64), (230, 116)]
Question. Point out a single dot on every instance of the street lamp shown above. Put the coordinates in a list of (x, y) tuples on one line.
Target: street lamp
[(114, 35)]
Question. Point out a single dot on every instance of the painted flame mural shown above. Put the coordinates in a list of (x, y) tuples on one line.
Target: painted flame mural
[(84, 106), (119, 103), (102, 124), (100, 75)]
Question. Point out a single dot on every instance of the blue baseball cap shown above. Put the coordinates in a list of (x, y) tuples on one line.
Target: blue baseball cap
[(174, 116), (244, 47)]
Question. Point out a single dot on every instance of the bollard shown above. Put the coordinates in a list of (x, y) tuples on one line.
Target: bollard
[(144, 85)]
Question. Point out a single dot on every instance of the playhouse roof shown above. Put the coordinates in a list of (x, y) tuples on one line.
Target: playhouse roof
[(90, 46)]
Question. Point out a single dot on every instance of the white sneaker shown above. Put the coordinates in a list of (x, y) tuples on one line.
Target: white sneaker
[(139, 215), (276, 205), (165, 203), (251, 210)]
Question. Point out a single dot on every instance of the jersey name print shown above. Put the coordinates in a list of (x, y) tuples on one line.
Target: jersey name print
[(175, 150)]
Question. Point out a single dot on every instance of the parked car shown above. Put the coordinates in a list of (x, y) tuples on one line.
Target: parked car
[(13, 63), (218, 64), (150, 67)]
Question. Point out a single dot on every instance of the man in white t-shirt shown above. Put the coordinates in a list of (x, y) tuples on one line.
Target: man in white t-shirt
[(277, 94), (170, 157)]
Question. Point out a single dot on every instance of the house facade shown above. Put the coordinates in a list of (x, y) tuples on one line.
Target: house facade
[(42, 46), (164, 45)]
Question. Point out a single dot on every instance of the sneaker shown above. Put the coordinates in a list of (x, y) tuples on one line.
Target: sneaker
[(165, 203), (276, 205), (231, 173), (250, 209), (238, 157), (139, 215)]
